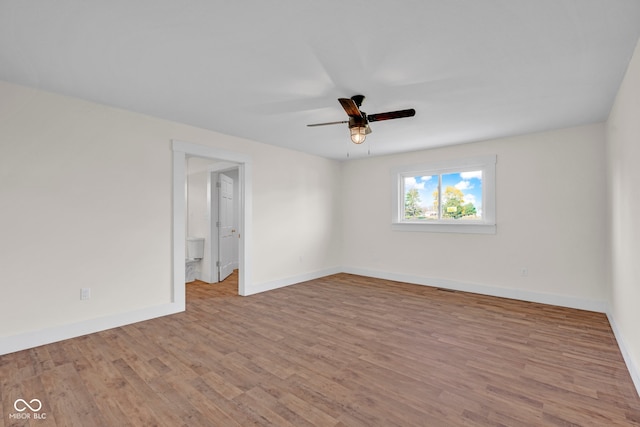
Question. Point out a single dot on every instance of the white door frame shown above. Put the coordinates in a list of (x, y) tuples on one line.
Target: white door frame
[(181, 150)]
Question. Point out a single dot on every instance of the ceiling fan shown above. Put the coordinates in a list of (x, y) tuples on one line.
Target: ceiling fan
[(359, 120)]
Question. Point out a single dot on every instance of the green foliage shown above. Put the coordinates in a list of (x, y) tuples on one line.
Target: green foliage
[(469, 210), (453, 205), (412, 207)]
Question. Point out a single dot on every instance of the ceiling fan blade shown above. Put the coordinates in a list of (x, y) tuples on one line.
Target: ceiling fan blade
[(350, 107), (391, 115), (328, 123)]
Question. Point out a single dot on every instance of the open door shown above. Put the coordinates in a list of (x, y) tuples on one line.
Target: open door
[(226, 231)]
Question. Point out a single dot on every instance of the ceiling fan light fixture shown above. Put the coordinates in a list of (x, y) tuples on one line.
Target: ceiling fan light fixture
[(359, 120), (358, 134)]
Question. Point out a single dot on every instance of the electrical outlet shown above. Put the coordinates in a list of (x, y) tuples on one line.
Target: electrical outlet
[(524, 271), (85, 293)]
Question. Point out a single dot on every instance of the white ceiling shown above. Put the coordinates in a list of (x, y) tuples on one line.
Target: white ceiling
[(473, 69)]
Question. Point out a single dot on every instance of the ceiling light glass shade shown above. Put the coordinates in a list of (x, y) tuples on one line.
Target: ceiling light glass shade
[(358, 134)]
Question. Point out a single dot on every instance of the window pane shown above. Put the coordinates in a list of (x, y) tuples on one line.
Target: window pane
[(420, 197), (462, 195)]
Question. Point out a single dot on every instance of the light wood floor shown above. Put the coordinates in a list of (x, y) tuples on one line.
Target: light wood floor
[(339, 351)]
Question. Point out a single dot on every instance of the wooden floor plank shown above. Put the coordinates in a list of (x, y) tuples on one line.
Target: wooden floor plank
[(343, 350)]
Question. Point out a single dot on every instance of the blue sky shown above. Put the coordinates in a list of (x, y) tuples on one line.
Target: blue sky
[(470, 183)]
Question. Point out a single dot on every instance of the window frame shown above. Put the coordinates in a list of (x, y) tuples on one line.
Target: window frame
[(487, 225)]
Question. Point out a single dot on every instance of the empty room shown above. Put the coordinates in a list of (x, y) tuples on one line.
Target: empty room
[(297, 213)]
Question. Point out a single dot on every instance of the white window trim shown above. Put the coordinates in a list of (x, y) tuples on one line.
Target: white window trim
[(485, 226)]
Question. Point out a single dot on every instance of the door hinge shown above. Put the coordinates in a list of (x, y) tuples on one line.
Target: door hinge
[(218, 224), (217, 263), (218, 184)]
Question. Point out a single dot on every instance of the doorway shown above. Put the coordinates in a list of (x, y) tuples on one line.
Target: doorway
[(182, 150)]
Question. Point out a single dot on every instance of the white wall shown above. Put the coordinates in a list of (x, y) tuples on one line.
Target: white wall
[(623, 155), (86, 201), (550, 219)]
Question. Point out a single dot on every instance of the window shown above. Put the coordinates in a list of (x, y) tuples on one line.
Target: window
[(454, 196)]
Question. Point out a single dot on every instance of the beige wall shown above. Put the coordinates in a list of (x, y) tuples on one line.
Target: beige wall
[(623, 155), (86, 201), (296, 215), (550, 205)]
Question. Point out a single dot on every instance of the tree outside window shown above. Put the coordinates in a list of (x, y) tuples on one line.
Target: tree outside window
[(461, 198), (449, 196)]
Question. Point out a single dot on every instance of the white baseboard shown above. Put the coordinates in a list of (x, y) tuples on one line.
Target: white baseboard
[(292, 280), (628, 360), (560, 300), (40, 337)]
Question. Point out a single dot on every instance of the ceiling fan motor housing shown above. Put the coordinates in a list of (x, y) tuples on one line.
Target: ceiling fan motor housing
[(358, 99), (358, 121)]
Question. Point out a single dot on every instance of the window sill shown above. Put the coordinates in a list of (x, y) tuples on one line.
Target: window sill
[(441, 227)]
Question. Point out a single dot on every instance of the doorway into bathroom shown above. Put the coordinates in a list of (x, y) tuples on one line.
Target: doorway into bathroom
[(213, 216), (197, 169)]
